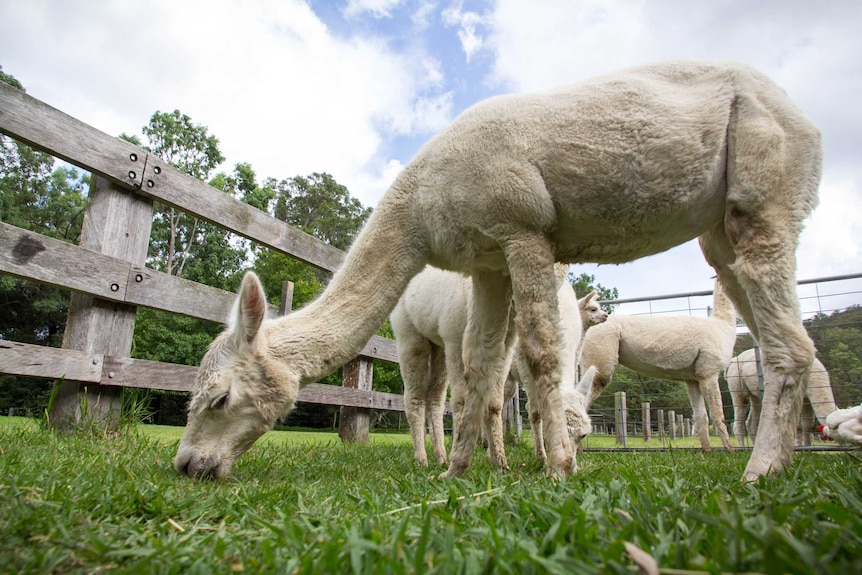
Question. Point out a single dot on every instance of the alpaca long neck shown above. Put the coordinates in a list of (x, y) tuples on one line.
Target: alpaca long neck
[(722, 307), (333, 329)]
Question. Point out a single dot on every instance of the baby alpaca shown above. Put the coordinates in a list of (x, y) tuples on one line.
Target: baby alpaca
[(741, 376), (690, 349), (429, 323)]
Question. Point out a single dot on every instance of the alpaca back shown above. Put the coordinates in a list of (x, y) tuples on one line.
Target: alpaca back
[(435, 304)]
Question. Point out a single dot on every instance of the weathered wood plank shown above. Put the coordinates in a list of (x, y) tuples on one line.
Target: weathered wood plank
[(49, 362), (53, 363), (166, 184), (140, 373), (30, 255), (381, 348), (48, 129)]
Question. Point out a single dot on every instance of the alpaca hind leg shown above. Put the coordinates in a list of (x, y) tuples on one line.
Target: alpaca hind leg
[(701, 421), (740, 412), (494, 415), (533, 409), (787, 353), (534, 288), (774, 157), (414, 352), (435, 400), (806, 424), (712, 396), (754, 418), (484, 355)]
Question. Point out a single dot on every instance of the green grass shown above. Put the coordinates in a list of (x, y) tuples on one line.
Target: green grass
[(306, 503)]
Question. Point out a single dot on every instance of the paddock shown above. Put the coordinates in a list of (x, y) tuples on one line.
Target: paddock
[(107, 276)]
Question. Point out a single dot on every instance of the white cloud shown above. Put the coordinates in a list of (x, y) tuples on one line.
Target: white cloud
[(467, 24), (267, 78), (377, 8)]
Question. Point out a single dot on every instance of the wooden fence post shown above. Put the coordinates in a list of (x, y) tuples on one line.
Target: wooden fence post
[(671, 420), (661, 432), (512, 417), (620, 418), (286, 303), (354, 422), (116, 223), (645, 418)]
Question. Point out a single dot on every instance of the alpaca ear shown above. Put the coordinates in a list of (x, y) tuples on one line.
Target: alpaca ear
[(249, 309), (586, 299)]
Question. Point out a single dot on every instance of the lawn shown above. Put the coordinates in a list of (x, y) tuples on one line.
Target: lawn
[(306, 503)]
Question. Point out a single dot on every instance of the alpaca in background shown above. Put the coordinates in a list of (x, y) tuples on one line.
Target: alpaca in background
[(742, 380), (690, 349)]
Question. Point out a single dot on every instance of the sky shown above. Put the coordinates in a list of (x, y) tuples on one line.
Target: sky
[(355, 87)]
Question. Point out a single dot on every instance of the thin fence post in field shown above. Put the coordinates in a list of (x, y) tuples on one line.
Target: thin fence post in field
[(661, 426), (620, 418), (116, 223), (286, 298), (645, 418), (671, 422), (355, 422)]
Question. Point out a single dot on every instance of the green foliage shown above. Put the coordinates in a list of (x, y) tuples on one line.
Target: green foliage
[(319, 206), (838, 338), (305, 503)]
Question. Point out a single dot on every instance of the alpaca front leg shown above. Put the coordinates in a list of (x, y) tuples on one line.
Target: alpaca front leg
[(532, 409), (494, 428), (538, 321), (415, 407), (435, 400)]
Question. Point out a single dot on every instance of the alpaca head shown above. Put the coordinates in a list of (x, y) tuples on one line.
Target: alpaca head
[(578, 421), (239, 393), (591, 312)]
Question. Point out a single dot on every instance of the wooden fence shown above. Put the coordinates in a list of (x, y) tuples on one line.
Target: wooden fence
[(109, 280)]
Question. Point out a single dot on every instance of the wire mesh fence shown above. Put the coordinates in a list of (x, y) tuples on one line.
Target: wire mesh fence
[(831, 309)]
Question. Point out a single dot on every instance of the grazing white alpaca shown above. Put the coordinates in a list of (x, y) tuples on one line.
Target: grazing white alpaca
[(606, 171), (741, 376), (694, 350), (576, 316), (844, 425), (429, 322)]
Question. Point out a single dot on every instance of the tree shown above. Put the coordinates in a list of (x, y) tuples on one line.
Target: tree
[(585, 283), (177, 237), (319, 206)]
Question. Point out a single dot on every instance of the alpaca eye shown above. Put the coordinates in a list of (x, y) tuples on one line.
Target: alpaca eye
[(219, 402)]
